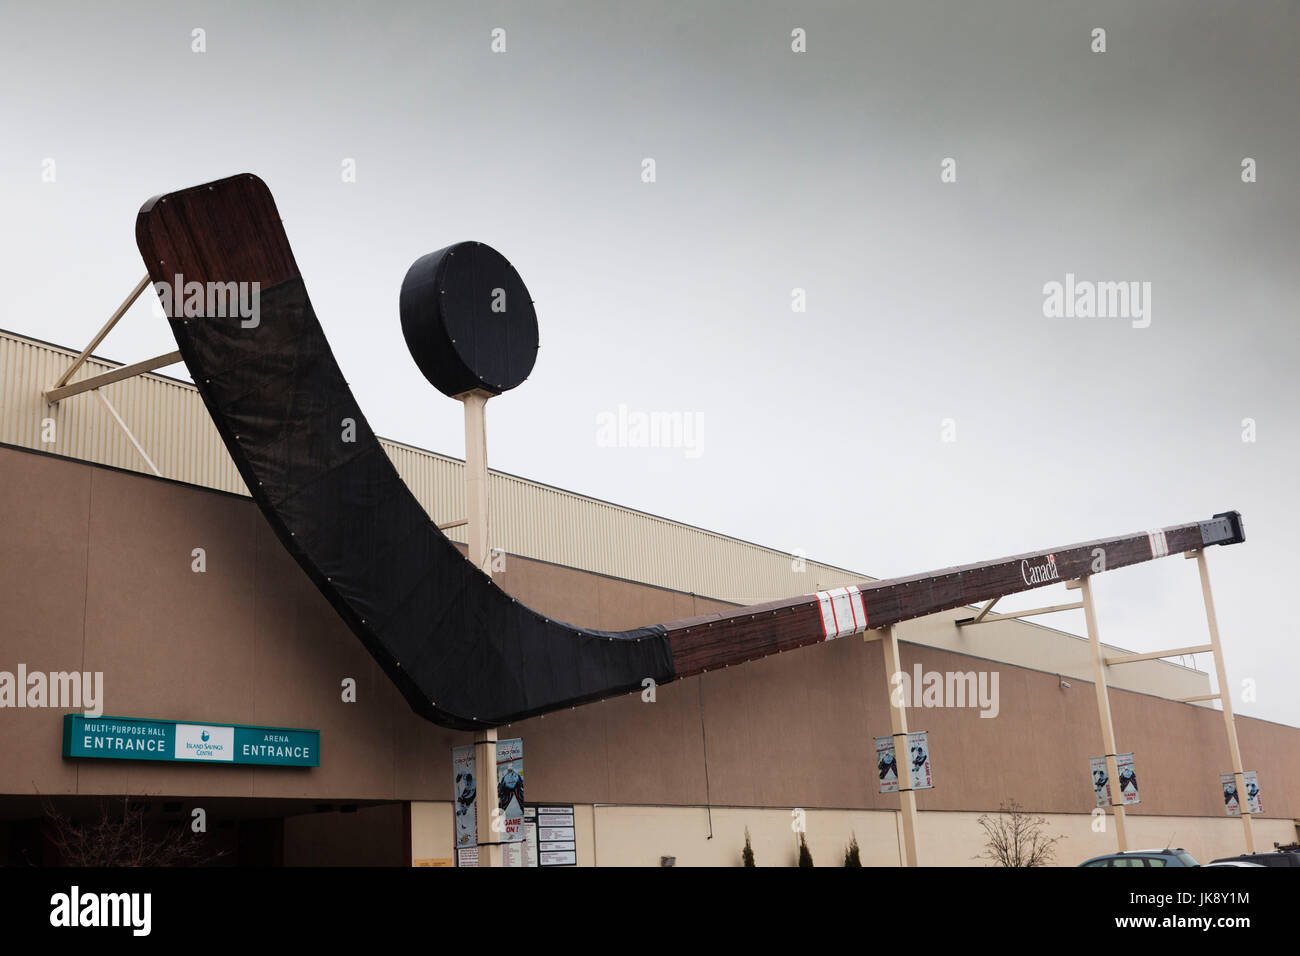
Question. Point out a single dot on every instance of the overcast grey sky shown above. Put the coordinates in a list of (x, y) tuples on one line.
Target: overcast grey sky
[(775, 170)]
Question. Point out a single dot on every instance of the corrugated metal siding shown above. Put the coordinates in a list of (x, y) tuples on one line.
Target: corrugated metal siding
[(529, 519), (168, 418)]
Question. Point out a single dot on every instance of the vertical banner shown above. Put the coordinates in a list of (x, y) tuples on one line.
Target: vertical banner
[(886, 765), (1253, 799), (1100, 780), (464, 802), (1232, 799), (918, 751), (1128, 781), (510, 789)]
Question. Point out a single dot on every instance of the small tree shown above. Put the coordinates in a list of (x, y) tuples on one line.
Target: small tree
[(747, 854), (805, 858), (1016, 838), (122, 839), (852, 856)]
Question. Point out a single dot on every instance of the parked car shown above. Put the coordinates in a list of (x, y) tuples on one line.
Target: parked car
[(1288, 855), (1233, 863), (1261, 859), (1166, 857)]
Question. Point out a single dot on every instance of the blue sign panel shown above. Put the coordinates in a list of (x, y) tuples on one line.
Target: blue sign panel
[(137, 738)]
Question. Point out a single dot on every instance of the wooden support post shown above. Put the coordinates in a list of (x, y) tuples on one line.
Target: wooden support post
[(476, 479), (490, 851), (1158, 655), (898, 722), (1225, 698), (104, 330), (485, 764), (53, 395), (1103, 710), (985, 618)]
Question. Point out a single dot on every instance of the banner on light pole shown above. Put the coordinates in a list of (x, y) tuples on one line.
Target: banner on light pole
[(886, 765), (918, 754), (1128, 781), (1232, 799), (510, 789), (465, 805), (917, 762)]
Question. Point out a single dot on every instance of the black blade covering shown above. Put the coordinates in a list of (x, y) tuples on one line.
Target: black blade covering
[(463, 652)]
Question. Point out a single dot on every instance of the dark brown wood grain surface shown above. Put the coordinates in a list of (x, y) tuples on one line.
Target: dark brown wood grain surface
[(734, 637), (216, 243)]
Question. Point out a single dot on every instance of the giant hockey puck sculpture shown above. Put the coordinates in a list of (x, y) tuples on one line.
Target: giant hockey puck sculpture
[(468, 320)]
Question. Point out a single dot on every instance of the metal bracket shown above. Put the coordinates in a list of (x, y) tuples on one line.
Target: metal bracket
[(62, 389), (1157, 655), (99, 337), (129, 434), (57, 393), (984, 617)]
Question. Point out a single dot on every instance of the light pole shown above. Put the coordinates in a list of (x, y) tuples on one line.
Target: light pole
[(471, 327)]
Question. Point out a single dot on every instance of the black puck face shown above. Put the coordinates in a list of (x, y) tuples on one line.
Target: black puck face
[(468, 320)]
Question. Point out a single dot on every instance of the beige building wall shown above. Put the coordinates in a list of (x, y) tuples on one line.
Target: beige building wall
[(1046, 649), (432, 830), (96, 566), (641, 835)]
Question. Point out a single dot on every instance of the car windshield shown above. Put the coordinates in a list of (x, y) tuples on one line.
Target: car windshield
[(1186, 858)]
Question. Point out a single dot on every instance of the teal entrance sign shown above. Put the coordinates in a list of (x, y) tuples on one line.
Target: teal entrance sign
[(136, 738)]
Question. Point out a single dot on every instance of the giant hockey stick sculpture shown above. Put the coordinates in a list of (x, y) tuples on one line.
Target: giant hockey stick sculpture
[(462, 651)]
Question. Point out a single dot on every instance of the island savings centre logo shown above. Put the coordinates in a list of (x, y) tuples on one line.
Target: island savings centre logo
[(196, 742), (1040, 573)]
